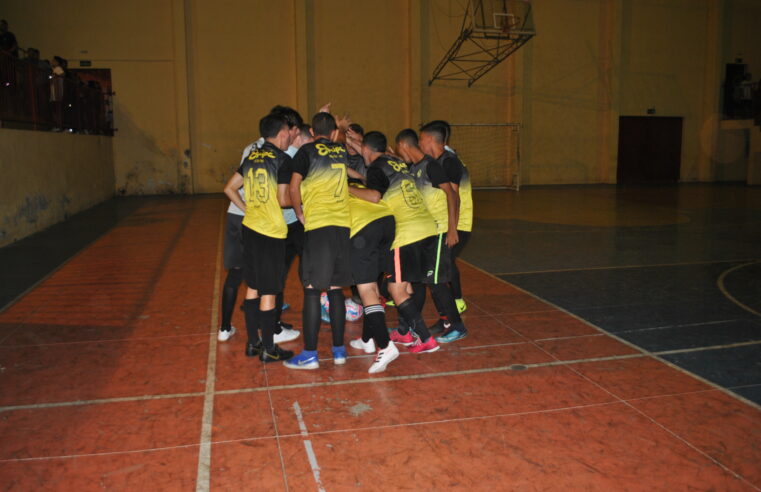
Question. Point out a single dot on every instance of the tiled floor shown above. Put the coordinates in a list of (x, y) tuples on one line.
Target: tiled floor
[(103, 385)]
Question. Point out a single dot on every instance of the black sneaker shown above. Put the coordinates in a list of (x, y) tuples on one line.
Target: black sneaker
[(286, 326), (253, 349), (275, 354), (441, 326)]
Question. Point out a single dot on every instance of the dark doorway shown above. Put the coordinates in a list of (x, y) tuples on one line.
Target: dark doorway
[(649, 149)]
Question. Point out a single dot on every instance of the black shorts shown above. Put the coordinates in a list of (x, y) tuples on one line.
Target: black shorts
[(264, 262), (326, 260), (371, 250), (464, 236), (233, 250), (427, 260)]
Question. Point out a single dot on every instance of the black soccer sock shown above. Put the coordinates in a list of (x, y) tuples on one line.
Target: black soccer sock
[(337, 311), (418, 295), (267, 322), (366, 333), (414, 319), (251, 308), (278, 312), (310, 316), (375, 318), (230, 295), (442, 295)]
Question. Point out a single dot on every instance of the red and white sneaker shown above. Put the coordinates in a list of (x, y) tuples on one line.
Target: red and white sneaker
[(422, 348), (405, 340)]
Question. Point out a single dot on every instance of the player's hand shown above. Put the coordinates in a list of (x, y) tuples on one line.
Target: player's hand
[(325, 108), (344, 122), (452, 238), (301, 218)]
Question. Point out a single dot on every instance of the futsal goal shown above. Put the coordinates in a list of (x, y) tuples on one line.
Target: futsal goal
[(491, 153)]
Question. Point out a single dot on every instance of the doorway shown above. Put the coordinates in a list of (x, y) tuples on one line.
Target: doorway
[(649, 149)]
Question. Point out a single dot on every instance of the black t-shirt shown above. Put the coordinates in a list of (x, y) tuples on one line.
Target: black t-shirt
[(436, 174), (377, 179), (300, 162), (452, 166)]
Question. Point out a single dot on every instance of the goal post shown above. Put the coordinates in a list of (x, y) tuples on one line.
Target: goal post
[(491, 152)]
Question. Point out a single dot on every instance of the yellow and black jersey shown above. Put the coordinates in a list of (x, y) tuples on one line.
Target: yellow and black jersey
[(429, 175), (364, 212), (459, 175), (324, 192), (262, 170), (392, 179)]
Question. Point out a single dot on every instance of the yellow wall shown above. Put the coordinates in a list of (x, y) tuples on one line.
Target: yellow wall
[(193, 77), (48, 177)]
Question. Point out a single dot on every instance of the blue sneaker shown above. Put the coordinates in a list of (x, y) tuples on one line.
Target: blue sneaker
[(452, 336), (307, 359), (339, 355), (286, 306)]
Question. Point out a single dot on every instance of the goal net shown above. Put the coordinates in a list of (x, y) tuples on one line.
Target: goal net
[(490, 151)]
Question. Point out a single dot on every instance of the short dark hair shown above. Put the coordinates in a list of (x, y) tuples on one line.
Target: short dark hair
[(270, 125), (292, 117), (407, 136), (324, 124), (304, 129), (440, 130), (357, 128), (375, 141)]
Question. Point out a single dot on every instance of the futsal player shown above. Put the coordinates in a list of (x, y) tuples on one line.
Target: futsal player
[(443, 203), (265, 182), (372, 234), (434, 137), (415, 236), (320, 197)]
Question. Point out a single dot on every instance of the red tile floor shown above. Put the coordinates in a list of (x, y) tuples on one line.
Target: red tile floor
[(112, 378)]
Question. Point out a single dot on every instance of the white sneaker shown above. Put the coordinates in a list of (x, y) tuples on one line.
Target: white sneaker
[(359, 344), (287, 335), (385, 357), (224, 335)]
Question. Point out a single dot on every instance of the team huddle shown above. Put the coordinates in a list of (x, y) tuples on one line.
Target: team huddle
[(358, 213)]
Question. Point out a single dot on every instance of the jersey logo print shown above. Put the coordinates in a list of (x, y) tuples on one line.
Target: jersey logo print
[(411, 194), (259, 155), (334, 151), (397, 166)]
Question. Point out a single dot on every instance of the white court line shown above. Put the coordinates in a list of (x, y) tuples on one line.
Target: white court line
[(723, 289), (308, 447), (615, 267), (640, 354), (203, 475)]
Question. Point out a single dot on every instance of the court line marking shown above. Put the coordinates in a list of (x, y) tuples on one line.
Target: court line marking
[(308, 447), (373, 428), (622, 340), (723, 289), (621, 267), (275, 427), (463, 372), (203, 474)]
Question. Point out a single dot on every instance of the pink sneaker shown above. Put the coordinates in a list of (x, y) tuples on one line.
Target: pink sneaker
[(421, 348), (405, 340)]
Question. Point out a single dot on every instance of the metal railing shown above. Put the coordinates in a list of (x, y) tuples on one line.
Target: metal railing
[(32, 97)]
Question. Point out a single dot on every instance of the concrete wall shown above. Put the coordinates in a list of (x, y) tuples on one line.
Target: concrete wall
[(193, 77), (48, 177)]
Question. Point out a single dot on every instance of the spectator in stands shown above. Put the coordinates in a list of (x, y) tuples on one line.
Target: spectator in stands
[(8, 44), (33, 57), (56, 92)]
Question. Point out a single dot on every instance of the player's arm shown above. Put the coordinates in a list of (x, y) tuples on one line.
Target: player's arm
[(284, 174), (440, 179), (353, 140), (354, 174), (231, 190), (295, 194), (299, 168), (365, 194), (453, 213)]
